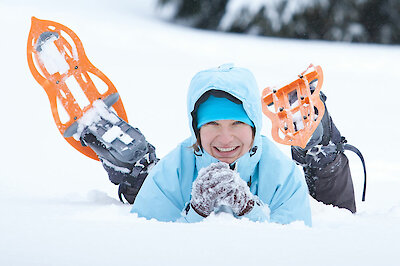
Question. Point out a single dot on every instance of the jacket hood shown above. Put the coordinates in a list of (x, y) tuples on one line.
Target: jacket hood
[(236, 81), (240, 83)]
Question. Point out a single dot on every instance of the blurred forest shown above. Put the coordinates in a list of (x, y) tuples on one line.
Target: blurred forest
[(370, 21)]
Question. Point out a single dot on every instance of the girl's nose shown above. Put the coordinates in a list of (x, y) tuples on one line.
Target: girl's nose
[(225, 136)]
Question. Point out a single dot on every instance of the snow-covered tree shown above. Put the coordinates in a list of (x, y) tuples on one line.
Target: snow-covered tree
[(341, 20)]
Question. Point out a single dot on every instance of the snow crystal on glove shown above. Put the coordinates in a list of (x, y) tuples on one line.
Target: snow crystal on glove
[(218, 185), (240, 199)]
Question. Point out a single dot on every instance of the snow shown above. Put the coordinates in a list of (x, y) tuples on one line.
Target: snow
[(116, 168), (59, 208), (116, 132), (75, 89), (98, 111), (51, 58)]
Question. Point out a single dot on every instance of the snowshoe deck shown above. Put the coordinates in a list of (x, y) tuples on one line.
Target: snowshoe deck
[(296, 109), (58, 62)]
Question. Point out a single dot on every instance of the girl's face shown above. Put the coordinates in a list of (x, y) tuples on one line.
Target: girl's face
[(226, 140)]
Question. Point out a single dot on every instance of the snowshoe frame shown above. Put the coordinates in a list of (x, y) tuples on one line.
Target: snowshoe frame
[(79, 67), (309, 107)]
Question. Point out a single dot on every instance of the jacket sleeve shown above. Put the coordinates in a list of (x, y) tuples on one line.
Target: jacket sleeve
[(259, 213), (291, 200), (162, 196), (282, 186), (189, 215)]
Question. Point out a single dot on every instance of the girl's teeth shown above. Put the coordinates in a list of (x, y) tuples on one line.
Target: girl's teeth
[(226, 149)]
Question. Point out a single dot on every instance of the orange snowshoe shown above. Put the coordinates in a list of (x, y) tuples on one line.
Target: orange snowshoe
[(59, 64), (296, 109)]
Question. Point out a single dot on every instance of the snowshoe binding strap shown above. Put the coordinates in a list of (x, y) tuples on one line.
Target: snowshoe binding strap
[(296, 109), (344, 146), (58, 62), (357, 151)]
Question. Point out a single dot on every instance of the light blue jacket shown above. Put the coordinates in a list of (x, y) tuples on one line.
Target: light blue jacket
[(273, 177)]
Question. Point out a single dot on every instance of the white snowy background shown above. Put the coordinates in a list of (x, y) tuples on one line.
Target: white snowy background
[(57, 206)]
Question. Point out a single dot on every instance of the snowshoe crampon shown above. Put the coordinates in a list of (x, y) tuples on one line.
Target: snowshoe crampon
[(296, 109), (59, 64)]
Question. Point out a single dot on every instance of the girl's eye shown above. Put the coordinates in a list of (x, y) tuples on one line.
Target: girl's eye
[(212, 123), (238, 123)]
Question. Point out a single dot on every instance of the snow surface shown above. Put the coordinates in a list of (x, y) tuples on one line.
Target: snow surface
[(58, 207)]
